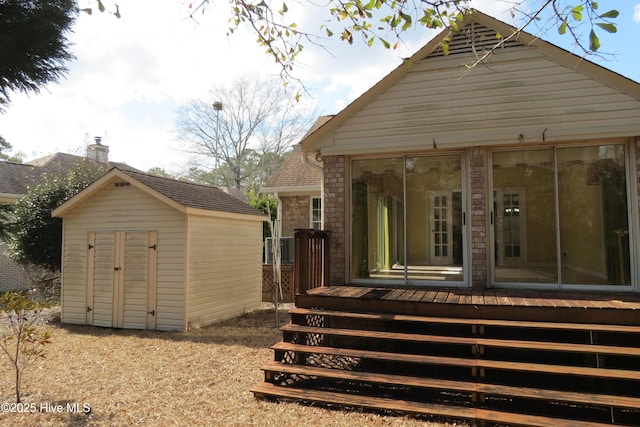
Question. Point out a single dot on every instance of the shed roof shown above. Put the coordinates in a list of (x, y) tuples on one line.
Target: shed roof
[(194, 195), (184, 196)]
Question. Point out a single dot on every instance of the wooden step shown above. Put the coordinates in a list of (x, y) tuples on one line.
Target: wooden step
[(473, 341), (471, 322), (271, 390), (265, 390), (460, 362), (605, 400), (370, 377)]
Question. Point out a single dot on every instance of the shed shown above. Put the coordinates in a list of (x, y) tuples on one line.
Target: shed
[(145, 252)]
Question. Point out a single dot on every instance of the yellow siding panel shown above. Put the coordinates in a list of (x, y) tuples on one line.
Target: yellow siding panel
[(224, 268)]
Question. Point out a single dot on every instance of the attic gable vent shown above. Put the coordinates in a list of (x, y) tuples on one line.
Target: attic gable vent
[(122, 184), (475, 39)]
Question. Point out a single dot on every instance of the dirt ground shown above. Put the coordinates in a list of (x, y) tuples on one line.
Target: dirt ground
[(107, 377)]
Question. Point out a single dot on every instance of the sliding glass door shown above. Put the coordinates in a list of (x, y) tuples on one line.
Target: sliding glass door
[(560, 216), (407, 219)]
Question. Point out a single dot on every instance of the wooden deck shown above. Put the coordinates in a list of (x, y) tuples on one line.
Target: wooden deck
[(498, 357), (574, 306), (497, 297)]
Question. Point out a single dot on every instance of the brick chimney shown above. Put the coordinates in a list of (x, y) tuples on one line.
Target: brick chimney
[(97, 151)]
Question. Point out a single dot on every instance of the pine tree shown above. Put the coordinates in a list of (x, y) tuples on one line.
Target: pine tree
[(33, 44)]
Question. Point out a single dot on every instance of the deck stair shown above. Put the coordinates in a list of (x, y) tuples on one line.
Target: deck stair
[(486, 370)]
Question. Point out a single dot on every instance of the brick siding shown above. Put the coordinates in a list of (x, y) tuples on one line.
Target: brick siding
[(295, 213), (479, 235), (335, 215)]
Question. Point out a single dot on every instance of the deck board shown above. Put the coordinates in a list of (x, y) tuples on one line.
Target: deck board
[(501, 297)]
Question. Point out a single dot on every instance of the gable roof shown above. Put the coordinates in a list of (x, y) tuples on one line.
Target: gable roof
[(476, 32), (183, 196), (16, 178), (293, 175)]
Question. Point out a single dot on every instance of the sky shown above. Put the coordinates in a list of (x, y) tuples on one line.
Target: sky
[(132, 74)]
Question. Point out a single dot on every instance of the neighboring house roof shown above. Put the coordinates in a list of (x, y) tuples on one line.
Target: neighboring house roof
[(16, 178), (184, 196), (13, 178), (321, 137), (294, 176)]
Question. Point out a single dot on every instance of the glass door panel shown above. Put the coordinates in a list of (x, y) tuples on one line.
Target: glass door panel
[(523, 206), (434, 218), (377, 219), (594, 227)]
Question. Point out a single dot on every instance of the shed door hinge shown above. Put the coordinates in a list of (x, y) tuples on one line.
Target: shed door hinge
[(154, 247)]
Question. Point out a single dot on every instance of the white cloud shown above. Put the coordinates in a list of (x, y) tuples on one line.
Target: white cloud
[(132, 73), (636, 13)]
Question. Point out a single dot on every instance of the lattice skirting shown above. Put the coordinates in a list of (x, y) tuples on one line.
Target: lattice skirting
[(268, 285)]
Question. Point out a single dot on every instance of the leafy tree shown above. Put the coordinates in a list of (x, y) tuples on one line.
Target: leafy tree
[(5, 146), (33, 44), (158, 171), (243, 130), (22, 341), (266, 204), (201, 176), (5, 220), (36, 237), (384, 21)]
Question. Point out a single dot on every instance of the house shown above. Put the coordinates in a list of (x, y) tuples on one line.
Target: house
[(296, 186), (484, 240), (146, 252), (15, 180)]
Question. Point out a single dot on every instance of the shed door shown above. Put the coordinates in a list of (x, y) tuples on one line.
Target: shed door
[(122, 279)]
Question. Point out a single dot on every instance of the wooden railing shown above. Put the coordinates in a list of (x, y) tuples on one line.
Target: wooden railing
[(311, 260)]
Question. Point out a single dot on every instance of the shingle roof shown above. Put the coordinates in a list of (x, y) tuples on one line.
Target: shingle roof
[(194, 195), (61, 161), (16, 178), (294, 173)]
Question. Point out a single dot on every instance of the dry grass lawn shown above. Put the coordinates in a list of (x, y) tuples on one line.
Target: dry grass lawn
[(148, 378)]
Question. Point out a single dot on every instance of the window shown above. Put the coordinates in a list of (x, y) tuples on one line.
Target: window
[(316, 213)]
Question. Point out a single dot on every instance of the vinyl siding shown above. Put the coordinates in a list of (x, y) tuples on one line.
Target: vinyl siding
[(224, 268), (518, 96), (120, 209)]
